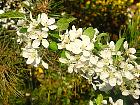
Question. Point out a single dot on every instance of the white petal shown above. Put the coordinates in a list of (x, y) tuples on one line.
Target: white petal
[(45, 29), (44, 19), (36, 43), (25, 54), (86, 53), (45, 43), (45, 64), (112, 81), (63, 60), (93, 60), (37, 60), (100, 64), (104, 102), (104, 75), (70, 68), (44, 34), (119, 102), (1, 11), (128, 75), (90, 102), (111, 100), (135, 96), (52, 27), (125, 93), (51, 21), (30, 60), (137, 92), (125, 45), (112, 45), (132, 50)]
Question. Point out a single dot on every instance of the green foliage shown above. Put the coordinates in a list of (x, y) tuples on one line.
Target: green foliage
[(53, 46), (63, 23), (89, 32), (99, 99), (12, 14), (119, 44)]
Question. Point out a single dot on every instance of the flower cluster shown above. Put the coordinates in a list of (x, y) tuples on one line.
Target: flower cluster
[(104, 68), (11, 5), (33, 34)]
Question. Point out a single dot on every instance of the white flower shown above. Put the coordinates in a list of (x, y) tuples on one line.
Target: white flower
[(48, 23), (73, 34), (41, 36), (32, 56)]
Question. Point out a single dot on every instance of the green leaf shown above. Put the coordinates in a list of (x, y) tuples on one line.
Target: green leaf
[(71, 19), (99, 99), (53, 46), (23, 30), (119, 43), (63, 54), (12, 14), (63, 23), (101, 35), (55, 35), (89, 32)]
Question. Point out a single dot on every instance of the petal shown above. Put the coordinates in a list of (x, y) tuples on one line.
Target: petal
[(51, 21), (1, 11), (52, 27), (63, 60), (119, 102), (112, 81), (36, 43), (135, 96), (45, 64), (30, 60), (45, 43), (125, 93), (86, 53), (125, 45), (70, 68), (25, 54), (45, 29), (37, 60), (104, 75), (128, 75), (132, 50), (94, 60), (44, 34), (90, 102), (44, 19)]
